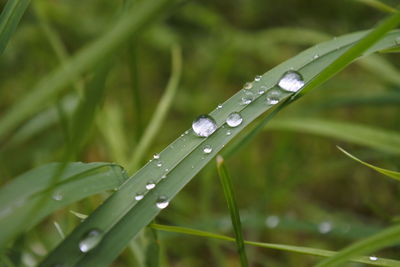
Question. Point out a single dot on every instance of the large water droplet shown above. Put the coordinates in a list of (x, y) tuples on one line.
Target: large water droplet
[(234, 119), (272, 221), (258, 78), (373, 258), (162, 202), (204, 126), (156, 156), (273, 97), (325, 227), (57, 196), (291, 81), (90, 240), (150, 185), (207, 149)]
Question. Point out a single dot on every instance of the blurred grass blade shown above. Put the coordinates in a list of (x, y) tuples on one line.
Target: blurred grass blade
[(121, 217), (392, 174), (385, 238), (9, 19), (230, 197), (378, 5), (289, 248), (160, 113), (78, 181), (139, 16), (376, 138)]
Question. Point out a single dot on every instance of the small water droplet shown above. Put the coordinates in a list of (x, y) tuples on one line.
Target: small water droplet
[(273, 97), (373, 258), (234, 119), (248, 85), (315, 56), (272, 221), (150, 185), (228, 132), (219, 106), (262, 90), (163, 176), (187, 132), (162, 202), (247, 98), (159, 163), (291, 81), (156, 156), (167, 170), (258, 78), (207, 149), (57, 196), (246, 101), (139, 196), (325, 227), (204, 126), (90, 240)]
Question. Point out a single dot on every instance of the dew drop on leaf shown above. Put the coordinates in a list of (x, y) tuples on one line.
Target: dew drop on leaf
[(150, 185), (90, 240), (162, 202), (291, 81), (234, 119), (204, 126), (273, 97), (207, 149)]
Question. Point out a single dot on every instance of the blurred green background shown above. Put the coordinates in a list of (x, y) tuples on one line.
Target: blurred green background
[(292, 187)]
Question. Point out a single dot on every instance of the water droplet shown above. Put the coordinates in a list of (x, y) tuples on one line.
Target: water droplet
[(139, 196), (325, 227), (159, 163), (156, 156), (373, 258), (150, 185), (234, 119), (163, 176), (247, 98), (272, 221), (207, 149), (262, 90), (167, 170), (258, 78), (162, 202), (204, 126), (90, 240), (248, 85), (246, 101), (228, 132), (219, 106), (397, 40), (291, 81), (273, 97), (187, 132), (315, 56), (57, 196)]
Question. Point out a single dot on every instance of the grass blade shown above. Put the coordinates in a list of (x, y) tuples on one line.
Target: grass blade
[(78, 181), (378, 5), (9, 19), (121, 217), (289, 248), (230, 197), (392, 174)]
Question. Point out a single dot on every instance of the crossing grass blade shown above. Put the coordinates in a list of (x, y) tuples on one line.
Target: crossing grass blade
[(281, 247), (121, 217), (9, 20), (230, 197), (376, 138), (392, 174), (378, 5), (78, 181), (139, 15)]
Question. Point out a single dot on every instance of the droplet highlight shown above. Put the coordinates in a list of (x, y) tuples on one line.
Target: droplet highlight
[(234, 119), (373, 258), (291, 81), (150, 185), (90, 240), (139, 196), (258, 78), (159, 164), (204, 126), (156, 156), (207, 149), (162, 202)]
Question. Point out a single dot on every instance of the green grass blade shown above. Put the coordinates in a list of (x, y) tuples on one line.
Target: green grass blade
[(78, 181), (9, 19), (392, 174), (376, 138), (385, 238), (121, 217), (378, 5), (289, 248), (139, 16), (230, 197), (160, 113)]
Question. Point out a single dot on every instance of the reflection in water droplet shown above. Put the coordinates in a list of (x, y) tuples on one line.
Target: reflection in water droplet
[(248, 85), (150, 185), (207, 149), (162, 202), (273, 97), (257, 78), (90, 240), (139, 196), (156, 156), (325, 227), (234, 119), (272, 221), (204, 126), (57, 196), (373, 258), (291, 81)]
